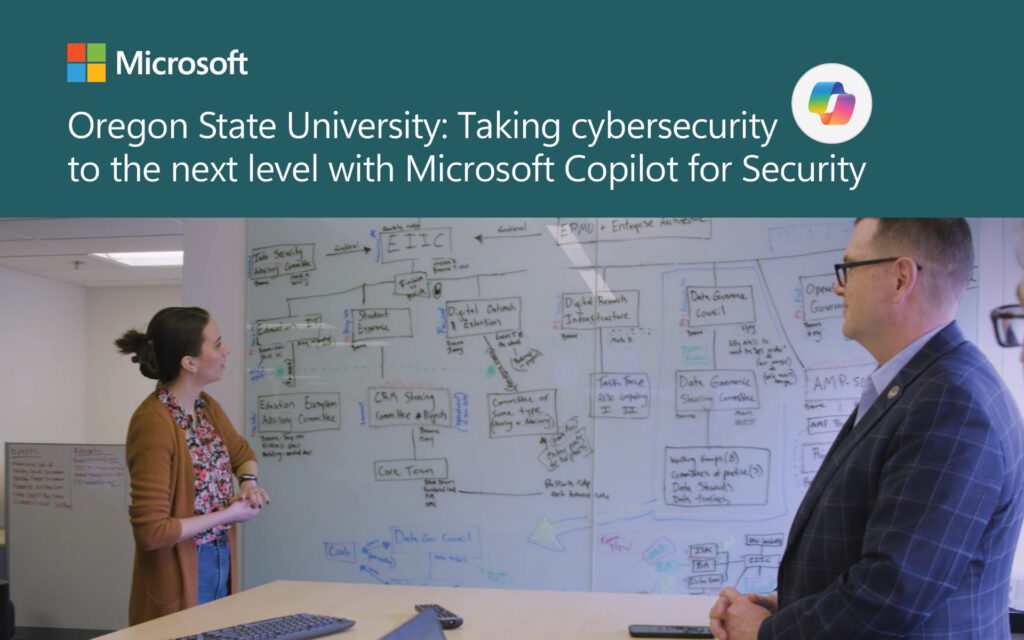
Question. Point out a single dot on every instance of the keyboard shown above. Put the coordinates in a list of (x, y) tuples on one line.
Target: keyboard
[(297, 626)]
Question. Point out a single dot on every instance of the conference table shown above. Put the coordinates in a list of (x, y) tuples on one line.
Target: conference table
[(490, 614)]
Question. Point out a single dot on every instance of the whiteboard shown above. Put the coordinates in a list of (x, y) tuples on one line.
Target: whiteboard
[(69, 541), (608, 404)]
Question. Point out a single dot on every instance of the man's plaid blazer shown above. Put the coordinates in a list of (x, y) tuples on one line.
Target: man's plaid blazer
[(910, 526)]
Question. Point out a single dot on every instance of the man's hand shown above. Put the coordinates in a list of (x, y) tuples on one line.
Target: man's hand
[(736, 616)]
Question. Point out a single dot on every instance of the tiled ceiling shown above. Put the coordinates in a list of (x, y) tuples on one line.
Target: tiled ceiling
[(59, 248)]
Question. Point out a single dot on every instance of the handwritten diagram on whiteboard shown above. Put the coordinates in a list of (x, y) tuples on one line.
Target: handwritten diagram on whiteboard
[(633, 404)]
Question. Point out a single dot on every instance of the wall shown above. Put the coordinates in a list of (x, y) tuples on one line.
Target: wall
[(214, 278), (63, 380), (114, 386), (43, 337)]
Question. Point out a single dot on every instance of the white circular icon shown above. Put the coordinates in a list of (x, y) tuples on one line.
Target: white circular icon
[(831, 103)]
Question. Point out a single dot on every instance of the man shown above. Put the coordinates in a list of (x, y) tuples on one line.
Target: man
[(910, 526)]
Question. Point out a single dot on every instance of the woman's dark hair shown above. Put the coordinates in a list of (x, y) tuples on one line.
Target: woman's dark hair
[(173, 333)]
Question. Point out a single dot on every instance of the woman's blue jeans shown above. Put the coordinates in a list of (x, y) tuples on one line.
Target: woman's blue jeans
[(214, 560)]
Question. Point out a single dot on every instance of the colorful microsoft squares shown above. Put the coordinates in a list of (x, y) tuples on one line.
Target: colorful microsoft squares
[(96, 52), (76, 72), (76, 52), (87, 62), (96, 73)]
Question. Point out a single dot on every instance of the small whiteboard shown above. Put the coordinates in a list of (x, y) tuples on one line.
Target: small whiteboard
[(69, 542)]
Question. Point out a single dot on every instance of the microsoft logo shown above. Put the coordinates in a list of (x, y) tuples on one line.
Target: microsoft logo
[(87, 62)]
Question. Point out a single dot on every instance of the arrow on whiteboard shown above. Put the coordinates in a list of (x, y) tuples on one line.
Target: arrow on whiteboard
[(480, 238), (546, 534), (355, 250), (373, 573)]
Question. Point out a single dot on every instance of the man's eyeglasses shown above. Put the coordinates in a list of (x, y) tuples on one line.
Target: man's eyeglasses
[(1008, 322), (842, 268)]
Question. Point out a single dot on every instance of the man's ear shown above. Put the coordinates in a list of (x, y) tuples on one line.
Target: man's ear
[(906, 276)]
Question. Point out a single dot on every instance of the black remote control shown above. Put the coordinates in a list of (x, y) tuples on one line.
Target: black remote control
[(448, 619), (668, 631)]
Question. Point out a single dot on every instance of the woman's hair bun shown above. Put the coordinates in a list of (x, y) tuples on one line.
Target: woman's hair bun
[(137, 343)]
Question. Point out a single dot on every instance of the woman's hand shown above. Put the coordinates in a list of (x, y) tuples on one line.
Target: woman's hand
[(240, 510), (250, 491)]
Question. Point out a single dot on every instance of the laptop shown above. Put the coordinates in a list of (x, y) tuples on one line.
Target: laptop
[(424, 626)]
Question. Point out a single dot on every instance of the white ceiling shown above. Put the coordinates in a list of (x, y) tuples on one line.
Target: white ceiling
[(59, 248)]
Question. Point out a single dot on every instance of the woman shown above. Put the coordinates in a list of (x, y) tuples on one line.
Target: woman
[(182, 451)]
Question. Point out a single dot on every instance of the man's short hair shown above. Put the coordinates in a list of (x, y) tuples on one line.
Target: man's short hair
[(942, 246)]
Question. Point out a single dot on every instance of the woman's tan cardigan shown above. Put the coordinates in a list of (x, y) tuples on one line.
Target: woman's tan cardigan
[(165, 578)]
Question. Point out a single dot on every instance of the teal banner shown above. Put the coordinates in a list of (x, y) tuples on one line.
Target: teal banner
[(510, 109)]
